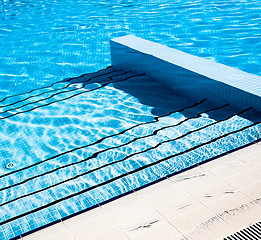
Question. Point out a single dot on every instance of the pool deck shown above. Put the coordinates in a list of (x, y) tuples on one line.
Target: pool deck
[(209, 201)]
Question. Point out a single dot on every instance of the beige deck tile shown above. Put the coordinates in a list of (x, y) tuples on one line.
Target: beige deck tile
[(212, 191), (253, 191), (258, 166), (163, 190), (247, 152), (83, 218), (225, 166), (109, 234), (193, 178), (154, 231), (55, 232), (60, 236), (130, 211), (218, 162), (213, 229), (176, 198), (190, 217), (227, 202), (242, 216), (138, 219), (85, 229), (244, 179), (177, 206), (220, 196), (252, 159)]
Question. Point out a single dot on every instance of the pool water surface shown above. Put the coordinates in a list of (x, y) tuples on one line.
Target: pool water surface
[(78, 143)]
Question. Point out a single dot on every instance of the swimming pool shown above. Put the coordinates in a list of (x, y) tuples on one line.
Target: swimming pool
[(71, 143), (84, 141)]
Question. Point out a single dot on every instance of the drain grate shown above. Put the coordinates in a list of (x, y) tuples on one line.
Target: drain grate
[(252, 232), (10, 165)]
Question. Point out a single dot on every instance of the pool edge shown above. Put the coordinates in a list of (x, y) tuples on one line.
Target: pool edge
[(185, 73)]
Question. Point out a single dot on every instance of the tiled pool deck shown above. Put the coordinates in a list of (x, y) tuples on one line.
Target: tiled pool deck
[(209, 201)]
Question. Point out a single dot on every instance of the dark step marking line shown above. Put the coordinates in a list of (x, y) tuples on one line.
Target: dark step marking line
[(60, 100), (67, 80), (124, 175), (57, 89), (55, 94), (109, 164), (131, 141), (156, 119)]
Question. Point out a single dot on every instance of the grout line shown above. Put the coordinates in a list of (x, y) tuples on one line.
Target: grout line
[(214, 214), (137, 193), (237, 189), (120, 228), (68, 230)]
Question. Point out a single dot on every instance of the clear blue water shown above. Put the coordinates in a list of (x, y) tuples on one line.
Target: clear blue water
[(78, 142), (49, 40)]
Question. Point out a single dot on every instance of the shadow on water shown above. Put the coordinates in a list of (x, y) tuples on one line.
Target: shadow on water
[(161, 98)]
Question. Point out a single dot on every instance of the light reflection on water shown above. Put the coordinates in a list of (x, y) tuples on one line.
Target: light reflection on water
[(46, 41), (78, 143), (43, 42)]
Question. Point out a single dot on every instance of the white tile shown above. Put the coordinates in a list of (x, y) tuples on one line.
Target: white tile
[(244, 179), (108, 234), (190, 218), (86, 229), (176, 197), (252, 159), (193, 179), (163, 190), (253, 190), (177, 206), (213, 191), (242, 216), (213, 229), (84, 218), (226, 166), (55, 231), (247, 152), (137, 219), (158, 230), (130, 211), (226, 202), (60, 236)]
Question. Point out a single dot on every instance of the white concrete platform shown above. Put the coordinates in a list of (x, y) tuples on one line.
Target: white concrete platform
[(209, 201), (187, 74)]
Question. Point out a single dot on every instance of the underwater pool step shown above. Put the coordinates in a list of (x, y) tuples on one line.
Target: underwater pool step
[(154, 133), (51, 85), (101, 167), (10, 112), (120, 177), (143, 150), (155, 120), (180, 139)]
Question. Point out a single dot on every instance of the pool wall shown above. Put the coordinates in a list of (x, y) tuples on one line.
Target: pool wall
[(185, 73)]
